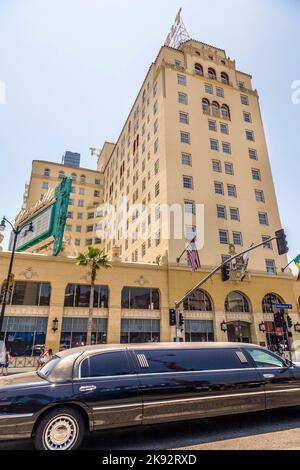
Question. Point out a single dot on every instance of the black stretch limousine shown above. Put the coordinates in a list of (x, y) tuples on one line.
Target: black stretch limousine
[(101, 387)]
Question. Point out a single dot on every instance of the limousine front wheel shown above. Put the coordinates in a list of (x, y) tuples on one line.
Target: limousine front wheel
[(60, 429)]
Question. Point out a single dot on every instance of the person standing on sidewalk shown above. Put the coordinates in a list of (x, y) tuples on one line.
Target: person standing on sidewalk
[(4, 366)]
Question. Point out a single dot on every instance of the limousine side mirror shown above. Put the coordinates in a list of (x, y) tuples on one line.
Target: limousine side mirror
[(288, 362)]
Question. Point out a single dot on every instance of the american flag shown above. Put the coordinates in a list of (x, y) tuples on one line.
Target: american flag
[(193, 257)]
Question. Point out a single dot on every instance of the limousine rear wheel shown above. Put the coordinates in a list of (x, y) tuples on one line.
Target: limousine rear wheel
[(60, 429)]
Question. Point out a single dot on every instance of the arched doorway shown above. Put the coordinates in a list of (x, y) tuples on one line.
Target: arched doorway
[(238, 332)]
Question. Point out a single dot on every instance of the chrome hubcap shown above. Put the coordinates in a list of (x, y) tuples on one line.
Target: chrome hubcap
[(60, 433)]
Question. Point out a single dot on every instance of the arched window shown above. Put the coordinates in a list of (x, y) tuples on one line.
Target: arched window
[(82, 179), (140, 298), (237, 302), (61, 175), (215, 108), (269, 301), (212, 73), (205, 106), (46, 172), (74, 176), (224, 78), (198, 300), (198, 69), (225, 111)]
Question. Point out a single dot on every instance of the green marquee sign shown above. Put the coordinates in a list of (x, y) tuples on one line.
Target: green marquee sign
[(50, 222)]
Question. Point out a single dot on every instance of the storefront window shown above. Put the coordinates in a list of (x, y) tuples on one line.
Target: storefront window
[(25, 336), (74, 330), (30, 293), (199, 330), (140, 298), (269, 303), (79, 296), (140, 331)]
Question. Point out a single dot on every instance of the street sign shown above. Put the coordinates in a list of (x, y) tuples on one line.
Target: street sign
[(284, 306)]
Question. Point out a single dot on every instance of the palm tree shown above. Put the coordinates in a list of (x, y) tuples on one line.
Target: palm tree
[(96, 259)]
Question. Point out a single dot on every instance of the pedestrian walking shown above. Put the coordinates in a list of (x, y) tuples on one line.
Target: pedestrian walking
[(41, 360), (48, 355)]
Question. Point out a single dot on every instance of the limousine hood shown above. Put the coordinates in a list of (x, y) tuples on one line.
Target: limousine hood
[(19, 380)]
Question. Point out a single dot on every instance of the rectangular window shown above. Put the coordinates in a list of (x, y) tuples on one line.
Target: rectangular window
[(234, 214), (259, 196), (270, 266), (143, 249), (155, 126), (90, 228), (216, 165), (245, 100), (256, 174), (79, 215), (69, 228), (237, 238), (223, 237), (187, 182), (263, 218), (247, 117), (189, 207), (267, 245), (157, 238), (181, 80), (226, 147), (156, 167), (221, 212), (252, 154), (228, 168), (182, 98), (219, 188), (156, 191), (190, 232), (183, 118), (45, 185), (220, 92), (212, 125), (231, 190), (184, 137), (250, 135), (224, 128), (186, 159), (208, 88), (214, 144), (82, 191), (156, 146), (80, 203), (78, 228)]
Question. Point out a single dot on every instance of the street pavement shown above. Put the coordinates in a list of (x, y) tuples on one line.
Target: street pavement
[(276, 430)]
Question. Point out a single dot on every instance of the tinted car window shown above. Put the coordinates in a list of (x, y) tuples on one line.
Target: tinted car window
[(184, 360), (265, 359), (105, 364)]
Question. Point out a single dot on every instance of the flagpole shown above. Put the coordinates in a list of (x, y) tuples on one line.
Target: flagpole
[(179, 258), (283, 269)]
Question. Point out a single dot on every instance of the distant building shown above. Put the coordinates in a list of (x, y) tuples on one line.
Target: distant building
[(71, 159)]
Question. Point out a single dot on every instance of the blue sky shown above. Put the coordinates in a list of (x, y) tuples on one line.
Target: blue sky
[(72, 69)]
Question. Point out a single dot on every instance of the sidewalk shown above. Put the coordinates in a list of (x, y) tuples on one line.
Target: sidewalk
[(19, 370)]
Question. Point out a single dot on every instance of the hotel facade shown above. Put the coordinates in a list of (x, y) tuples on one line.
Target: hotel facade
[(193, 138)]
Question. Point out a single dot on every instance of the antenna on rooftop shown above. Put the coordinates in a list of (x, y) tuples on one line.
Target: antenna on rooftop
[(178, 34)]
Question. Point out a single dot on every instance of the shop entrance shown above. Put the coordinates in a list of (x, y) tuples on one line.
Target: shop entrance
[(239, 332)]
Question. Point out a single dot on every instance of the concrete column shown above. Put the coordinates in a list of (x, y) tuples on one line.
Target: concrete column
[(56, 310), (257, 336), (220, 336), (114, 315)]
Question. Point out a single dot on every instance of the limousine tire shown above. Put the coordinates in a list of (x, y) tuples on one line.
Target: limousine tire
[(60, 429)]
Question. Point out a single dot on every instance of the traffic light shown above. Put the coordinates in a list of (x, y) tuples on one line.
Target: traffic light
[(225, 272), (289, 321), (282, 244), (172, 317), (181, 319), (278, 320)]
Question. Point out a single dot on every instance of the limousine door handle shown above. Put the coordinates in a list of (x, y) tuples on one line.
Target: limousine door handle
[(269, 376), (87, 388)]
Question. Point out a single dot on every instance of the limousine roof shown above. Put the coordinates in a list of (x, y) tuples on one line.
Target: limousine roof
[(118, 347)]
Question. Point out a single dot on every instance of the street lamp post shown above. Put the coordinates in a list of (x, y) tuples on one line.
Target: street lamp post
[(16, 231)]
